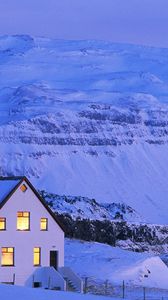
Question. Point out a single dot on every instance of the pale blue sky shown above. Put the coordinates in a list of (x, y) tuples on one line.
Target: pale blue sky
[(132, 21)]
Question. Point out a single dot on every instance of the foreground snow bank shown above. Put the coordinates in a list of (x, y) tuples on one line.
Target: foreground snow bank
[(103, 262), (19, 293)]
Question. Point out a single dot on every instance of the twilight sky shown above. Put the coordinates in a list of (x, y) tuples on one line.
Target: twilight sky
[(132, 21)]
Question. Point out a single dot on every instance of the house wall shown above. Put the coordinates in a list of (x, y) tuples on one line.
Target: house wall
[(25, 241)]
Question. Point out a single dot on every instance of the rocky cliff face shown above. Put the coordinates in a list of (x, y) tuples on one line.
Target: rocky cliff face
[(87, 119), (94, 126)]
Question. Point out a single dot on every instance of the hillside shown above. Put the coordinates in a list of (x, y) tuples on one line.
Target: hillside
[(85, 208), (87, 118), (115, 224)]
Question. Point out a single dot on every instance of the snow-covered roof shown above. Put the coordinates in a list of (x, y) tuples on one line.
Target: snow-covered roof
[(7, 185)]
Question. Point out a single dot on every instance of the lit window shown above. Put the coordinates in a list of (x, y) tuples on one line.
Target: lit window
[(23, 188), (2, 223), (37, 256), (7, 256), (23, 220), (44, 224)]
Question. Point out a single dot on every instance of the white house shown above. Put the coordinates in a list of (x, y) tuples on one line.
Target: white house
[(31, 239)]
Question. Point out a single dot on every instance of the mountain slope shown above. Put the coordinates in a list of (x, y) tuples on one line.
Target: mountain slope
[(87, 118)]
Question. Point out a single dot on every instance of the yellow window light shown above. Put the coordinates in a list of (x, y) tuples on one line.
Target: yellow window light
[(2, 223), (23, 220), (37, 256), (44, 224), (7, 256)]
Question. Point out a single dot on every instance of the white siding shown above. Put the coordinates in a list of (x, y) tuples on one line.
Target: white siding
[(25, 241)]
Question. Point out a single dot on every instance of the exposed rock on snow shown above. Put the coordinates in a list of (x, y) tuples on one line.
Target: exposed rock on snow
[(85, 208)]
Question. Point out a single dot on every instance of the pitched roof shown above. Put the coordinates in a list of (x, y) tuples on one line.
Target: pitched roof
[(8, 185)]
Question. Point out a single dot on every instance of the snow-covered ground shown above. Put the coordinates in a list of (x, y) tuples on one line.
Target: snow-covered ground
[(19, 293), (101, 262)]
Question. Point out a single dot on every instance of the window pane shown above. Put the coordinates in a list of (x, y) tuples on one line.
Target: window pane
[(37, 256), (19, 214), (4, 250), (2, 223), (23, 220), (25, 214), (36, 249), (7, 256), (44, 224), (10, 250)]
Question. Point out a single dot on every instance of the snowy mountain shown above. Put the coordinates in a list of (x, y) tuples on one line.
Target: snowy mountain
[(87, 118)]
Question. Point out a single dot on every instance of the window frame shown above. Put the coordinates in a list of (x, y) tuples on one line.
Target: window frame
[(4, 223), (22, 212), (46, 219), (39, 264), (13, 257)]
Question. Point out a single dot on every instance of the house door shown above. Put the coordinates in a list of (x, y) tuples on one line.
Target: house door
[(54, 259)]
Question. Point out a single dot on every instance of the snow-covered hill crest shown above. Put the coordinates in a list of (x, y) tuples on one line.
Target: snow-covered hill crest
[(85, 208)]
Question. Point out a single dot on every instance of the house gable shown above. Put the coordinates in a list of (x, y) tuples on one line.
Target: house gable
[(11, 188)]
